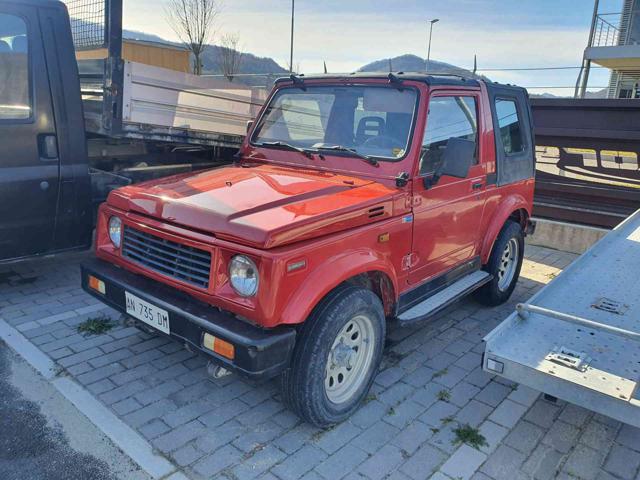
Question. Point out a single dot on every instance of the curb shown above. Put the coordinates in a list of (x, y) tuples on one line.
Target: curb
[(127, 439)]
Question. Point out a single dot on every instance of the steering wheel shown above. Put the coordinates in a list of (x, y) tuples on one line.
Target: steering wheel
[(381, 141)]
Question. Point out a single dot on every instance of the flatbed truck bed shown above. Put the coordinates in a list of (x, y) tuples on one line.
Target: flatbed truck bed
[(578, 338)]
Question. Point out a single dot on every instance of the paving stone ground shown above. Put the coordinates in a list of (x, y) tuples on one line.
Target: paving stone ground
[(430, 383)]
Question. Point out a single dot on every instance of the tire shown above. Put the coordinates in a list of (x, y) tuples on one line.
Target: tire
[(338, 325), (500, 288)]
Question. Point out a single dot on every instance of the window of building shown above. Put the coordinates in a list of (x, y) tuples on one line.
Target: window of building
[(449, 117), (15, 97), (510, 128)]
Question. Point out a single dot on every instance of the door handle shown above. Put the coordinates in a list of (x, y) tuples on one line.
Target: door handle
[(477, 186), (48, 147), (44, 186)]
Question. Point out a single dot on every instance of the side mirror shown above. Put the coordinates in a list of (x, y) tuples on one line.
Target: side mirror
[(456, 160), (249, 126)]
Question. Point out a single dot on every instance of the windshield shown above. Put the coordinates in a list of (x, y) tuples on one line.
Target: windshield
[(372, 121)]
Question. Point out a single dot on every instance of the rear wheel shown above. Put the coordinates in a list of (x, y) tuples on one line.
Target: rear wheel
[(504, 264), (337, 357)]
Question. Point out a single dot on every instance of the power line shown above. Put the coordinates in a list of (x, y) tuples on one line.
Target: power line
[(573, 86), (527, 69)]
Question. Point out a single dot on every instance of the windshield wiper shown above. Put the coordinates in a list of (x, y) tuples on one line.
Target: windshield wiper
[(288, 146), (341, 148)]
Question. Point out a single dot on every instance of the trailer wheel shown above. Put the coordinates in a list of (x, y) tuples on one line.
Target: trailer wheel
[(504, 264), (337, 356)]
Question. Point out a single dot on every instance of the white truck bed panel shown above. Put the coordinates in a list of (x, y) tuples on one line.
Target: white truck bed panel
[(543, 351), (165, 101)]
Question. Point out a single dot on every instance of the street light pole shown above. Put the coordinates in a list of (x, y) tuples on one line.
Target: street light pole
[(293, 9), (431, 22)]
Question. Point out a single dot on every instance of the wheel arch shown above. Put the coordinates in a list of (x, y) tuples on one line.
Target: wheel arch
[(364, 268), (515, 208)]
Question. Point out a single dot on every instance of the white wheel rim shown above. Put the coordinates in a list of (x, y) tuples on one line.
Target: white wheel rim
[(349, 359), (508, 263)]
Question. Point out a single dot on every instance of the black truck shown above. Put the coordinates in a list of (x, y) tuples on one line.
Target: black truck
[(73, 127)]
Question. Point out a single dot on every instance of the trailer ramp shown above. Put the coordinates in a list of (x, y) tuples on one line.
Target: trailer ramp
[(578, 338)]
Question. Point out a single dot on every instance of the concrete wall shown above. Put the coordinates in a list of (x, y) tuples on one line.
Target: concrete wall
[(565, 236)]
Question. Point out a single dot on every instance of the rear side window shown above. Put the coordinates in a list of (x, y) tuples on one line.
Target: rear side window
[(509, 124), (15, 96), (449, 117)]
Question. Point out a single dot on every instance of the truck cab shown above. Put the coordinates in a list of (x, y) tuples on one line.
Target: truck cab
[(45, 190), (78, 118), (356, 201)]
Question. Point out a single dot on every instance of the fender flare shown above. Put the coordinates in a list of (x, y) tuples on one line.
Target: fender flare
[(506, 208), (331, 273)]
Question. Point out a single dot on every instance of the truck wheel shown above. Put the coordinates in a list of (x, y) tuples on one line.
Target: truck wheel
[(504, 264), (337, 356)]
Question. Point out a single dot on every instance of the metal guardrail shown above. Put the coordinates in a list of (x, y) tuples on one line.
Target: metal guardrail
[(591, 181), (607, 30)]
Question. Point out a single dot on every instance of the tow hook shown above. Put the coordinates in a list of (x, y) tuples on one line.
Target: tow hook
[(216, 371)]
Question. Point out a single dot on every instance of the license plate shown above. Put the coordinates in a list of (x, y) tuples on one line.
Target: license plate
[(147, 313)]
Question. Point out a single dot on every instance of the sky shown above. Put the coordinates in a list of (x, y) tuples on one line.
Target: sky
[(350, 33)]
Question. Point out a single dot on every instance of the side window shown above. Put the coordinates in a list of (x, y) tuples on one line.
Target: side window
[(15, 97), (509, 124), (449, 117)]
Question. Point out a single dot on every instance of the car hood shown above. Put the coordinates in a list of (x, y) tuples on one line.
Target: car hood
[(261, 206)]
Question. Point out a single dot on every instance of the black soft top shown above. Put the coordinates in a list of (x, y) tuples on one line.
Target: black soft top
[(429, 79), (415, 76)]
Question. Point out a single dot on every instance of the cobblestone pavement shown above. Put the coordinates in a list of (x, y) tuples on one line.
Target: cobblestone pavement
[(430, 384)]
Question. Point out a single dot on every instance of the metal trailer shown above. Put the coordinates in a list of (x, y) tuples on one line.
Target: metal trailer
[(578, 338)]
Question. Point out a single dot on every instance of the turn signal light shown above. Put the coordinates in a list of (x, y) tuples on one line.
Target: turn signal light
[(219, 346), (97, 285)]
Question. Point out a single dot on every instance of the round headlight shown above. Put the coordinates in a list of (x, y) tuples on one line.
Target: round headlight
[(243, 274), (115, 231)]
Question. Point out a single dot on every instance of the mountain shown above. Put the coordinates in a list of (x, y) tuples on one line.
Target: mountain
[(412, 63), (597, 94), (145, 37), (250, 63)]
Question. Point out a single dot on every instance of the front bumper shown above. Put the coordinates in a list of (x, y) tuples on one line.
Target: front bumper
[(259, 353)]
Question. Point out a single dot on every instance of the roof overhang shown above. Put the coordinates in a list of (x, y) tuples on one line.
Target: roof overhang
[(621, 57)]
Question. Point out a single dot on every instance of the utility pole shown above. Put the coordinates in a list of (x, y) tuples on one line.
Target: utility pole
[(293, 11), (583, 76), (431, 22)]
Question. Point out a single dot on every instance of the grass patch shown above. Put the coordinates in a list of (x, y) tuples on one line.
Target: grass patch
[(370, 398), (447, 420), (391, 411), (96, 326), (444, 395), (469, 435), (440, 373)]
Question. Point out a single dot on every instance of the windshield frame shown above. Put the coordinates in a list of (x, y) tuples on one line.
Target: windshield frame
[(390, 160)]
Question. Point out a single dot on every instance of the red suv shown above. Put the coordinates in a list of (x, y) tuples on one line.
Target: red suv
[(356, 201)]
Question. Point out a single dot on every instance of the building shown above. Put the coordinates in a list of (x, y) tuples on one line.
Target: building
[(173, 57), (614, 43)]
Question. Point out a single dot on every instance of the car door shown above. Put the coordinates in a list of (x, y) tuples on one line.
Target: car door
[(29, 167), (447, 211)]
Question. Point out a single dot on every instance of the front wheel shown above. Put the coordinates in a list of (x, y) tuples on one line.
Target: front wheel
[(504, 264), (337, 357)]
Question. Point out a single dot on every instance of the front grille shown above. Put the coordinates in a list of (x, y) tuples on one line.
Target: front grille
[(175, 260)]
